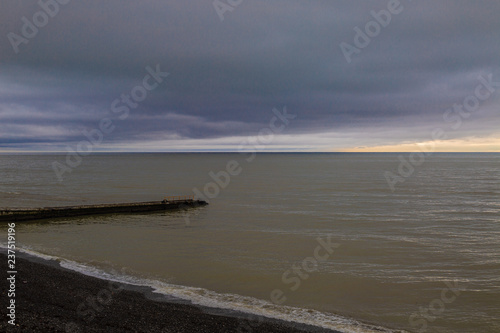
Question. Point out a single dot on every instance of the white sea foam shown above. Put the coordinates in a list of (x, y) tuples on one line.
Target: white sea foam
[(204, 297)]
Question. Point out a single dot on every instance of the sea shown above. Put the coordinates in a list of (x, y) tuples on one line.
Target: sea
[(314, 238)]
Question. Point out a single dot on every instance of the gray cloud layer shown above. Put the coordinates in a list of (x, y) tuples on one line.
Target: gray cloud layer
[(226, 77)]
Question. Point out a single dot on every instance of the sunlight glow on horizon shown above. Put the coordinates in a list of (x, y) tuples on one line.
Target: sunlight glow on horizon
[(475, 145)]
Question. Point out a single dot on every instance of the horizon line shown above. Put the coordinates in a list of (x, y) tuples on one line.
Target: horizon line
[(249, 151)]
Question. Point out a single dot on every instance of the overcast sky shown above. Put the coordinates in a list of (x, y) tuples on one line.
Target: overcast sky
[(348, 82)]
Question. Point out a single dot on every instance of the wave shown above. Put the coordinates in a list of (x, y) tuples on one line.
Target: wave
[(207, 298), (10, 192)]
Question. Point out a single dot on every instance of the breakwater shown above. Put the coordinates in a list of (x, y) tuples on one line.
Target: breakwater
[(17, 215)]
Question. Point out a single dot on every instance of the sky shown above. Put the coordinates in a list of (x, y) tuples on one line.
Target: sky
[(234, 75)]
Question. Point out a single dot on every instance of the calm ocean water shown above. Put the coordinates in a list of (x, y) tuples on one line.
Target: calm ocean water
[(425, 257)]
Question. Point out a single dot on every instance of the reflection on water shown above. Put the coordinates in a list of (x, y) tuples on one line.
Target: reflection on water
[(397, 250)]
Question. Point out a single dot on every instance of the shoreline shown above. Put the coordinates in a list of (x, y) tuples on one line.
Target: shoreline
[(52, 298)]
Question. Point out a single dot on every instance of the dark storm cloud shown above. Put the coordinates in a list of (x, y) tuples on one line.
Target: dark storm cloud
[(226, 77)]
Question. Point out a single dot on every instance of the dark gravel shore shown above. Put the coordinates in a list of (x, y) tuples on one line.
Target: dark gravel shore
[(53, 299)]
